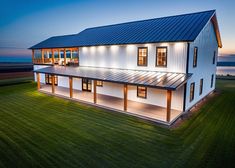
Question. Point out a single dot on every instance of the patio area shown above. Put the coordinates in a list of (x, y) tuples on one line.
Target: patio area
[(142, 110)]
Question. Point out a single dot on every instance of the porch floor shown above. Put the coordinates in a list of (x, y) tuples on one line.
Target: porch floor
[(142, 110)]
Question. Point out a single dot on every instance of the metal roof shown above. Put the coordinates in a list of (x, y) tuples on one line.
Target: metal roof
[(155, 79), (166, 29)]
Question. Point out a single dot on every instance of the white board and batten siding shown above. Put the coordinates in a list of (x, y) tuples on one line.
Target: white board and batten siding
[(207, 44), (125, 57)]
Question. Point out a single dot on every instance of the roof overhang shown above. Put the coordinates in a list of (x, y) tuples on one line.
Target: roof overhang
[(216, 28), (154, 79)]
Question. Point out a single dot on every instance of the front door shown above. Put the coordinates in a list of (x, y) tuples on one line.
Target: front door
[(86, 84)]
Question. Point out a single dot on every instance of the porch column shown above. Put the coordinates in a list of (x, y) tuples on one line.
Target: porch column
[(71, 87), (38, 80), (53, 57), (168, 108), (64, 57), (125, 96), (42, 56), (53, 84), (94, 90), (33, 56)]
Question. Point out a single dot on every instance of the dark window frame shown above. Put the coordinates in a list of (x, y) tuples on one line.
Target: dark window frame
[(195, 57), (88, 84), (191, 96), (201, 86), (145, 96), (48, 79), (212, 80), (138, 56), (163, 66), (99, 84), (214, 57)]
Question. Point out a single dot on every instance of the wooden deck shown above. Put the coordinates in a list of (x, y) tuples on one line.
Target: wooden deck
[(142, 110)]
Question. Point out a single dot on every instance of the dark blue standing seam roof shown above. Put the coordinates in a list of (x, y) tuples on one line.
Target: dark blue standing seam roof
[(167, 29)]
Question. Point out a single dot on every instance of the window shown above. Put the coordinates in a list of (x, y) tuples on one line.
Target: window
[(142, 56), (192, 91), (201, 86), (214, 56), (141, 91), (212, 80), (195, 53), (48, 79), (161, 56), (86, 84), (99, 83)]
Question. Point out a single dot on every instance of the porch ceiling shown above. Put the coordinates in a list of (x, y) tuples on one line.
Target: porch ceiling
[(155, 79)]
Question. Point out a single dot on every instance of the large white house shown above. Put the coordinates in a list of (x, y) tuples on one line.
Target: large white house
[(155, 69)]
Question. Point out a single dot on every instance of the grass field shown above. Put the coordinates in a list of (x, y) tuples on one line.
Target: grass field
[(37, 130)]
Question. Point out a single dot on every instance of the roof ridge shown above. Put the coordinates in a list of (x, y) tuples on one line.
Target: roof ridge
[(213, 10)]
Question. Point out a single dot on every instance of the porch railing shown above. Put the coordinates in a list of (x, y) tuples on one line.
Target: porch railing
[(59, 61)]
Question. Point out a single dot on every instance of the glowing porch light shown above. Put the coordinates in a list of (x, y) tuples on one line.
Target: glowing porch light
[(101, 49), (179, 46), (147, 45), (130, 47), (93, 49), (114, 48), (163, 44), (84, 49)]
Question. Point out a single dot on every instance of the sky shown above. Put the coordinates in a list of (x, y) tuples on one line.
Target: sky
[(27, 22)]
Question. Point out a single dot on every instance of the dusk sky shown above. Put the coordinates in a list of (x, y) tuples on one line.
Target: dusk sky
[(27, 22)]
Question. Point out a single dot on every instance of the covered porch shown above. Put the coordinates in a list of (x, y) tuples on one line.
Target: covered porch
[(142, 110), (168, 82)]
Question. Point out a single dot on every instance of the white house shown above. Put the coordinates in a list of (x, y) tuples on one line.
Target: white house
[(155, 69)]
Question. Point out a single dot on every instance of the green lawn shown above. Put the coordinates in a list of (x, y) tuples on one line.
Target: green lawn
[(37, 130)]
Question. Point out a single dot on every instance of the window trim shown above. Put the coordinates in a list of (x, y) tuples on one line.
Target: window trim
[(145, 96), (195, 57), (139, 56), (201, 86), (162, 66), (192, 98), (99, 85)]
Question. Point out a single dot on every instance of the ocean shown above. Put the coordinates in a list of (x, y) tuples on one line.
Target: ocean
[(15, 59)]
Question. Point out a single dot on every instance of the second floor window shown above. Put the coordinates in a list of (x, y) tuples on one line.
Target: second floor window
[(195, 53), (161, 56), (214, 56), (192, 86), (201, 86), (142, 56), (212, 80)]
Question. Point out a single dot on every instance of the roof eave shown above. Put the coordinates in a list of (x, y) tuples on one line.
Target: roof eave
[(217, 31)]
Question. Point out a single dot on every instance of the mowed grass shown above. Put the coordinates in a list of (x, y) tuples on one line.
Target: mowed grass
[(37, 130)]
